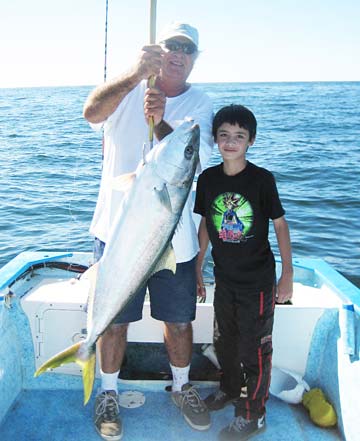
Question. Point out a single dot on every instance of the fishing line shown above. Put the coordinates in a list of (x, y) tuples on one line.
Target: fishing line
[(75, 184)]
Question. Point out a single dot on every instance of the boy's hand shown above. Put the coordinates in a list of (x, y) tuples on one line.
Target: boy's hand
[(284, 289), (200, 287)]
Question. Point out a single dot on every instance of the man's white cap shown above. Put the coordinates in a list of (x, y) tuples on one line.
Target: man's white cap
[(177, 29)]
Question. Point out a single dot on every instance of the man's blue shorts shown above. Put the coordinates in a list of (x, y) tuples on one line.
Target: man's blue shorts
[(172, 297)]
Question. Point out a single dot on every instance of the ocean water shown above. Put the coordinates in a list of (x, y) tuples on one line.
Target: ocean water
[(308, 136)]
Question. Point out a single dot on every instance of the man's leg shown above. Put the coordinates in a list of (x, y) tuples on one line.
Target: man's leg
[(111, 346), (178, 342), (173, 301)]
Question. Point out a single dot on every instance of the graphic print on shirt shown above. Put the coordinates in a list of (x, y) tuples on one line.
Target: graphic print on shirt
[(232, 217)]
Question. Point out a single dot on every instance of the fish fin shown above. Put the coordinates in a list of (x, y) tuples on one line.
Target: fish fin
[(164, 197), (167, 261), (91, 273), (64, 357), (179, 225), (72, 355), (88, 375), (123, 182)]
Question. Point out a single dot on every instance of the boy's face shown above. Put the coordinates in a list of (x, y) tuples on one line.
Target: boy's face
[(233, 141)]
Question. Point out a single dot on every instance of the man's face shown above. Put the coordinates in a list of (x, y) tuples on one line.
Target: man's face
[(177, 64)]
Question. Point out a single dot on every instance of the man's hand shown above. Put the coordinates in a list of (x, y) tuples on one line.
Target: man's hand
[(149, 61), (104, 100), (154, 105)]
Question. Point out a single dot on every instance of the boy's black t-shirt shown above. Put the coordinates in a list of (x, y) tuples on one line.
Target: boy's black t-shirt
[(237, 210)]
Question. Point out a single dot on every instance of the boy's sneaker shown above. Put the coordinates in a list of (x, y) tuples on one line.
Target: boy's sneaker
[(106, 419), (218, 400), (192, 407), (242, 429)]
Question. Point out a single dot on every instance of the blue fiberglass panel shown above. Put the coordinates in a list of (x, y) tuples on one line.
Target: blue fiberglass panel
[(324, 273), (59, 415), (17, 266)]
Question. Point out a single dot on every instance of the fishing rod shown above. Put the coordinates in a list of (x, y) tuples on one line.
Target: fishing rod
[(106, 34)]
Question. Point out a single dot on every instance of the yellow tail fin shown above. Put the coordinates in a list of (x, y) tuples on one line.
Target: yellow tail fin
[(88, 375), (71, 355)]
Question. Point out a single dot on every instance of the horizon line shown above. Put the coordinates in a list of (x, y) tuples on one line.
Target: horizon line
[(192, 82)]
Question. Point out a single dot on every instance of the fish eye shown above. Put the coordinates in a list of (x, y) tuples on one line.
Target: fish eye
[(189, 150)]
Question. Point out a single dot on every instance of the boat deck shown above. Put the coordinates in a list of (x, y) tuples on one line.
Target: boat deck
[(59, 415), (307, 340)]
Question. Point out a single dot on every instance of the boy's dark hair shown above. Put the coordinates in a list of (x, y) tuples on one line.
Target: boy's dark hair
[(235, 114)]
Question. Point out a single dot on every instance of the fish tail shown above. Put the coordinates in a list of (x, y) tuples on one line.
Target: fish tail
[(86, 359), (88, 374)]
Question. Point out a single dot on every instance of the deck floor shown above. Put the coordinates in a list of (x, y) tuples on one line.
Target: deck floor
[(59, 415)]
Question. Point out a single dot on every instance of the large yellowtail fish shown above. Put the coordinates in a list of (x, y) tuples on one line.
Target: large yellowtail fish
[(139, 242)]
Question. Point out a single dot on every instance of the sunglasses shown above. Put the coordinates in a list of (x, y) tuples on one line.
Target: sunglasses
[(174, 46)]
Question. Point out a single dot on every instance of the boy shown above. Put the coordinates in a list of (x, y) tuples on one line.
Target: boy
[(236, 199)]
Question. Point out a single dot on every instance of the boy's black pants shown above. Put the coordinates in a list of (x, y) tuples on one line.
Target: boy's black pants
[(244, 345)]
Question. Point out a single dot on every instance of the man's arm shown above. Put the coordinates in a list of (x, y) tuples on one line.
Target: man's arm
[(162, 129), (105, 99), (285, 284)]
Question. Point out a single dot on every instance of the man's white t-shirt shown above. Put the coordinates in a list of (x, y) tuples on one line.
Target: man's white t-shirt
[(125, 132)]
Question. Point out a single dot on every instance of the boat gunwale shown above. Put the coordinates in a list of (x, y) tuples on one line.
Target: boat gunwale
[(323, 273)]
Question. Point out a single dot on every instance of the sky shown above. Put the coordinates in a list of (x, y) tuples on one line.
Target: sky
[(61, 43)]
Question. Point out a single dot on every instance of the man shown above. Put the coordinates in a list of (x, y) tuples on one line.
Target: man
[(124, 107)]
